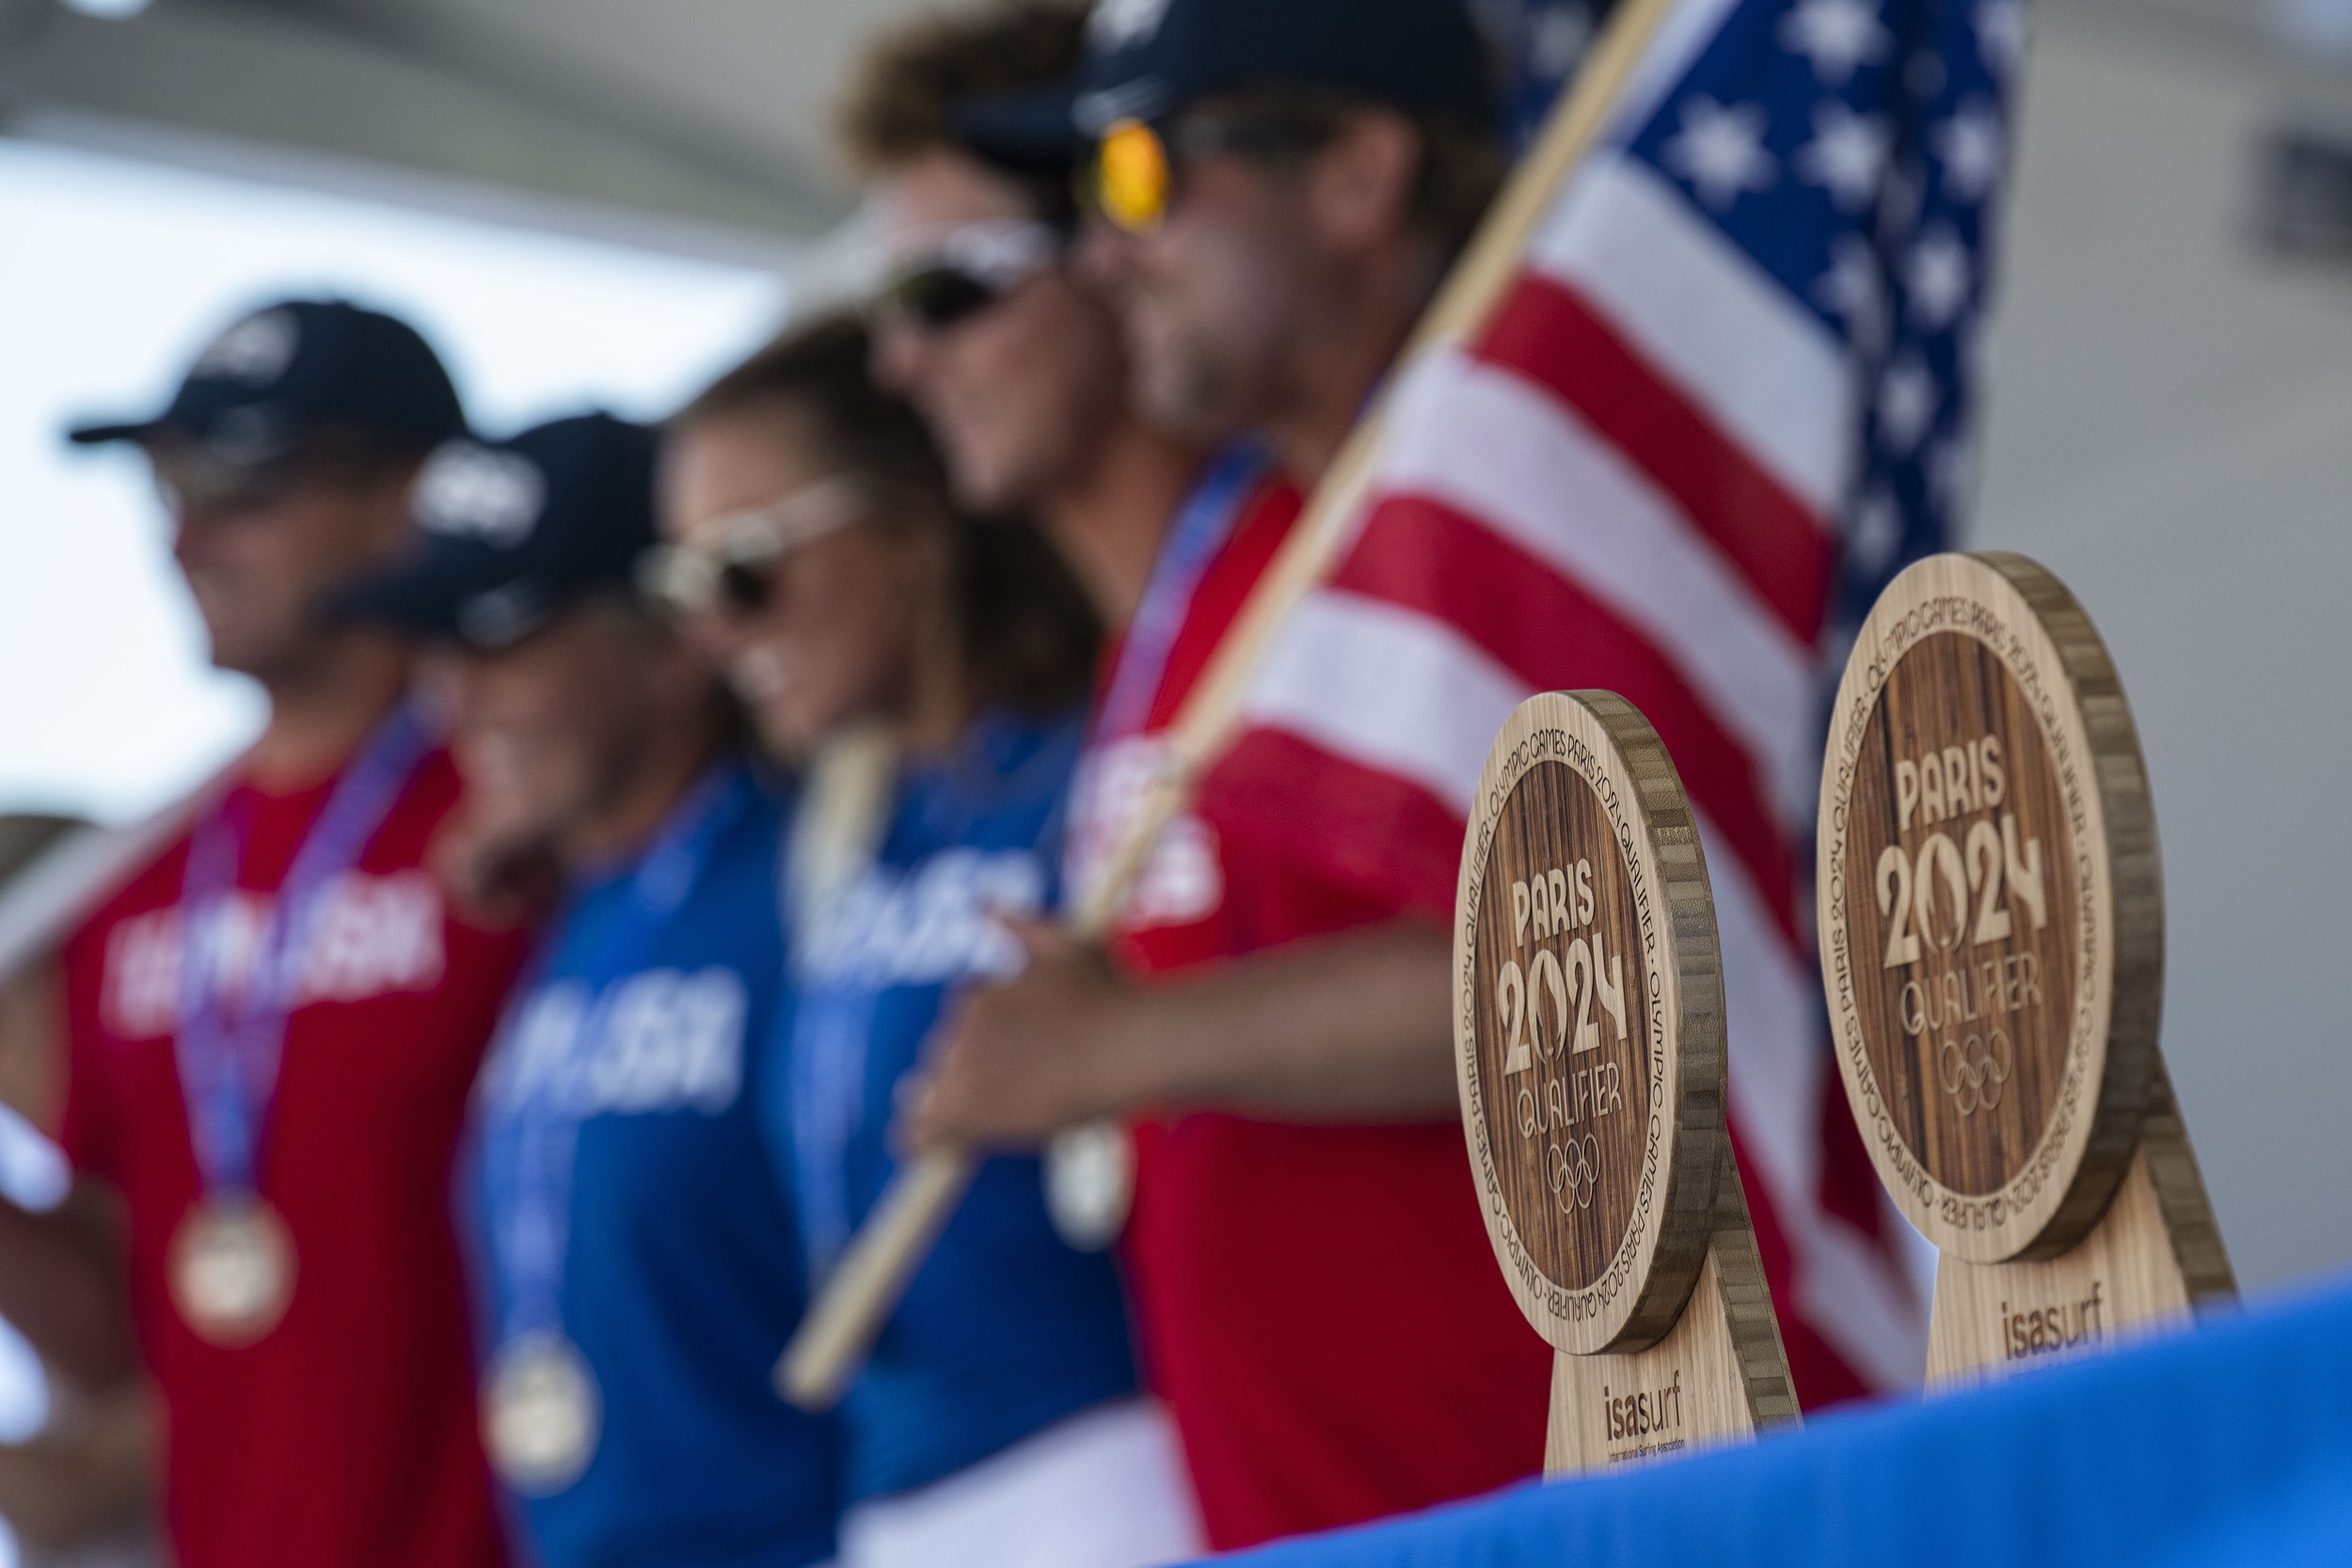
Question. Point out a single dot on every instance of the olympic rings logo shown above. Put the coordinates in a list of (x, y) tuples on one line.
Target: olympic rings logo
[(1574, 1170), (1975, 1071)]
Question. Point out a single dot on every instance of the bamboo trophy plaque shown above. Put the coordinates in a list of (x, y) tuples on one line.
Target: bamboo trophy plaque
[(1589, 1048), (1993, 944)]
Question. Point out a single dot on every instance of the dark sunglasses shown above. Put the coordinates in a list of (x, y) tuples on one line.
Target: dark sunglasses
[(953, 275)]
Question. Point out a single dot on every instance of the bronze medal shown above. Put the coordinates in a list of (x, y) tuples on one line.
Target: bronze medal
[(541, 1414), (231, 1271)]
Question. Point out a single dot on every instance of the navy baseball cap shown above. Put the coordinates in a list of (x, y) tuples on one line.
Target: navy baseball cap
[(288, 371), (1146, 59), (512, 532)]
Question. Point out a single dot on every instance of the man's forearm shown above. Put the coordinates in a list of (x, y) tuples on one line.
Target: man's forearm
[(1347, 1028), (61, 1285)]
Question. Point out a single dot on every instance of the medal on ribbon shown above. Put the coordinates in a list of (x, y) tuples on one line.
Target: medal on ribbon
[(542, 1414), (230, 1266)]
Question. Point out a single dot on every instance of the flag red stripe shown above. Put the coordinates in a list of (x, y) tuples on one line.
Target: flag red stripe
[(1430, 558), (1545, 332)]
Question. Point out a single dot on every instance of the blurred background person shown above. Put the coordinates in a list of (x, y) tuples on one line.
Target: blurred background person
[(981, 320), (1303, 173), (985, 323), (639, 1270), (79, 1491), (933, 670), (1276, 216), (273, 1028)]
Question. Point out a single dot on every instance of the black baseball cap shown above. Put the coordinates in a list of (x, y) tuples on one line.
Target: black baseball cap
[(1146, 59), (514, 532), (290, 370)]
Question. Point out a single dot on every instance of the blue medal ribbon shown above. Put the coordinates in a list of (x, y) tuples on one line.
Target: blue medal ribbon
[(1200, 528), (530, 1132), (1206, 520), (229, 1055)]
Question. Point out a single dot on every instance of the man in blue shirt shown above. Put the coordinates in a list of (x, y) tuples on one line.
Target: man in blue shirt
[(639, 1270)]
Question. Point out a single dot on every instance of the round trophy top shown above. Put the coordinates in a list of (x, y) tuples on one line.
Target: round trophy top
[(1991, 920), (1588, 1022)]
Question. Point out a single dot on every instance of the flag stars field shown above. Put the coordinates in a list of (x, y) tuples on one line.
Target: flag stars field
[(1939, 277), (1838, 35), (1847, 155), (2001, 34), (1970, 146), (1721, 151), (1906, 404), (1852, 291)]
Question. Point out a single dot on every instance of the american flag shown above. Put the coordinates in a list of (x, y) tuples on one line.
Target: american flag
[(1728, 393)]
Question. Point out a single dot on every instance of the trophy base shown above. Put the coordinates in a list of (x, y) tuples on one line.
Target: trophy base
[(1719, 1375), (2154, 1258)]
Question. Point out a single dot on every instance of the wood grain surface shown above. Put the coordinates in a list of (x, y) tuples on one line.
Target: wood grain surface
[(2155, 1258), (1991, 924), (1719, 1375), (1595, 1151)]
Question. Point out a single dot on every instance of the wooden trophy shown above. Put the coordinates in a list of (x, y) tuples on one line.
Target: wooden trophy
[(1588, 1034), (1993, 944)]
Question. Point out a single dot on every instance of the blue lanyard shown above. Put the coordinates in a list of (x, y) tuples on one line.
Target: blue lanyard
[(529, 1145), (1202, 527), (228, 1057), (834, 1015)]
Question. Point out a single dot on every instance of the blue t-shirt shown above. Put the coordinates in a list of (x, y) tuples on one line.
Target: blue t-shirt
[(682, 1273), (1005, 1329)]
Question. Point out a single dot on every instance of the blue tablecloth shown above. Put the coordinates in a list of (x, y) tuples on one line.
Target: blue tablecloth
[(2228, 1445)]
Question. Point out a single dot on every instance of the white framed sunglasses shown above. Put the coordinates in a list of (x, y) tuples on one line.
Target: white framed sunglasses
[(734, 566)]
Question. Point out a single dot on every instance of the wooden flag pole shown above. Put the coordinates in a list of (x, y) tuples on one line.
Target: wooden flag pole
[(856, 1299), (66, 881)]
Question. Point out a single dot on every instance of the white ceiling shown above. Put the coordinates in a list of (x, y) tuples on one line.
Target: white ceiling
[(702, 123), (712, 111)]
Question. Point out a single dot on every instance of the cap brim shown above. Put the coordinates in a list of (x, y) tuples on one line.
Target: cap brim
[(445, 596), (1031, 129), (422, 599), (99, 435)]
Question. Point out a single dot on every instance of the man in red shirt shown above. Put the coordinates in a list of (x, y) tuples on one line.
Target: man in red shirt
[(1322, 1307), (274, 1026)]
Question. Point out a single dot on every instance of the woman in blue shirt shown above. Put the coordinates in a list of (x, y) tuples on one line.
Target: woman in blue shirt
[(638, 1267), (935, 671)]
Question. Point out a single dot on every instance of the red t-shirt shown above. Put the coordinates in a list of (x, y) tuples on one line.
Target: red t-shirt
[(1321, 1306), (347, 1435)]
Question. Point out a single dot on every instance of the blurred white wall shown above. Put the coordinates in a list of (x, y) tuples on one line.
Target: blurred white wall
[(2171, 432)]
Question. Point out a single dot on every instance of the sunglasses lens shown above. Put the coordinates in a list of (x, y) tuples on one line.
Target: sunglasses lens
[(1131, 176), (941, 296), (744, 589)]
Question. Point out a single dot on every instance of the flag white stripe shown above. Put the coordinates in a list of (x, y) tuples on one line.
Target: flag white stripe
[(1500, 449), (1386, 687), (1725, 331), (1774, 995)]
